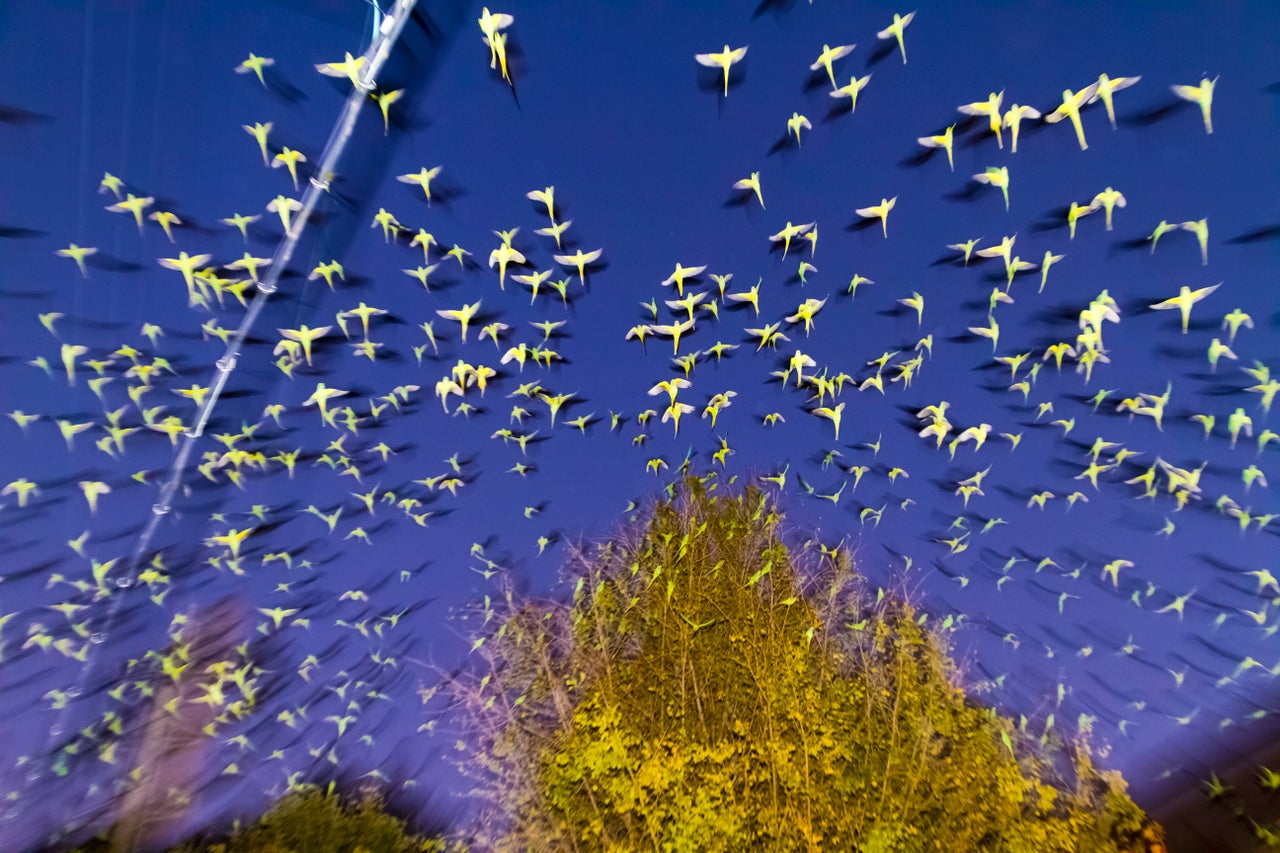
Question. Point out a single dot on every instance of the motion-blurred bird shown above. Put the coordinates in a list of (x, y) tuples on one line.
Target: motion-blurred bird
[(78, 254), (1107, 87), (491, 25), (421, 178), (895, 31), (724, 59), (751, 183), (327, 270), (259, 131), (916, 303), (1070, 108), (1184, 300), (461, 315), (241, 222), (1199, 227), (306, 336), (92, 490), (1233, 321), (1013, 119), (945, 141), (796, 122), (828, 56), (133, 204), (1202, 95), (1109, 199), (505, 254), (991, 109), (995, 176), (289, 158), (579, 260), (255, 64), (850, 90), (831, 414), (879, 211), (384, 100), (349, 67)]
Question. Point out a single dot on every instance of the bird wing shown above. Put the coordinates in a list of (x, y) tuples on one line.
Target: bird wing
[(1189, 93)]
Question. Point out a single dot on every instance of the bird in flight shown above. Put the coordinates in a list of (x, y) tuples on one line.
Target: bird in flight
[(306, 336), (806, 312), (187, 265), (326, 271), (504, 255), (753, 185), (1070, 108), (491, 25), (78, 254), (133, 204), (996, 177), (349, 67), (547, 196), (1199, 227), (580, 260), (829, 55), (289, 158), (241, 222), (422, 178), (832, 414), (250, 264), (991, 109), (895, 29), (1076, 212), (462, 315), (255, 64), (1202, 95), (945, 141), (879, 211), (259, 131), (384, 101), (679, 276), (166, 219), (1013, 119), (1233, 321), (1107, 87), (724, 59), (967, 247), (284, 207), (796, 122), (1184, 300), (111, 183), (789, 231), (555, 231), (850, 90), (1109, 199)]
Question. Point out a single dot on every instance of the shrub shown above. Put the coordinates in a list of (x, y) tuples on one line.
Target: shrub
[(319, 822), (311, 821)]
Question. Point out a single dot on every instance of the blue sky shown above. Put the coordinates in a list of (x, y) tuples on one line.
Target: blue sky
[(610, 108)]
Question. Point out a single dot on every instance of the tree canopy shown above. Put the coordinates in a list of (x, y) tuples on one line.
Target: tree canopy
[(705, 686)]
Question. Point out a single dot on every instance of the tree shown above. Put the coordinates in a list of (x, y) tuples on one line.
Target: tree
[(706, 687)]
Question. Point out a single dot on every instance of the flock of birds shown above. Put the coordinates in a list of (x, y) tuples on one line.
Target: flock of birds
[(341, 432)]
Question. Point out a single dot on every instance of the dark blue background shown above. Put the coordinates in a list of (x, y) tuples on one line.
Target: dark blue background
[(609, 106)]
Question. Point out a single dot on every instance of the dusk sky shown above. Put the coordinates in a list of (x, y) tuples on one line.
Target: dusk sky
[(1172, 651)]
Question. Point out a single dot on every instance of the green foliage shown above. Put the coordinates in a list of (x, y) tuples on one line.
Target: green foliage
[(318, 822), (700, 690)]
